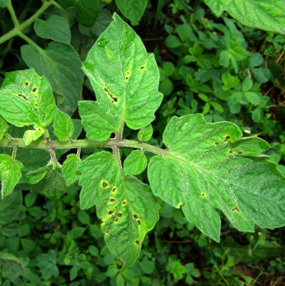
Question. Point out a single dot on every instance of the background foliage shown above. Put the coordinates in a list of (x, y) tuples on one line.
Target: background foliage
[(215, 66)]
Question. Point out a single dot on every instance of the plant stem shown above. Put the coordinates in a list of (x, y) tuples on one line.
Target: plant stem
[(13, 15), (20, 27), (85, 143)]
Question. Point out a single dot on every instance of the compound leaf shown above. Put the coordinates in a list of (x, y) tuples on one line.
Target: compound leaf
[(55, 28), (208, 167), (63, 126), (267, 15), (131, 80), (26, 99), (69, 169), (135, 163), (126, 206), (61, 65), (132, 9), (10, 174)]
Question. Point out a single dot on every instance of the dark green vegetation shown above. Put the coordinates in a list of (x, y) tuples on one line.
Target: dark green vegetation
[(208, 65)]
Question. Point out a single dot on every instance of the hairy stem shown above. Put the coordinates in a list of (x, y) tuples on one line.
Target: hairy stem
[(85, 143)]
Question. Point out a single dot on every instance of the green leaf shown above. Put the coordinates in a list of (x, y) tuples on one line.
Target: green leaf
[(26, 99), (246, 84), (209, 167), (13, 267), (184, 31), (32, 135), (122, 90), (4, 3), (252, 97), (172, 42), (217, 106), (132, 9), (69, 170), (76, 232), (87, 10), (55, 28), (52, 184), (126, 206), (35, 176), (262, 74), (61, 65), (63, 126), (145, 133), (10, 174), (10, 207), (204, 97), (135, 163), (3, 127), (268, 15)]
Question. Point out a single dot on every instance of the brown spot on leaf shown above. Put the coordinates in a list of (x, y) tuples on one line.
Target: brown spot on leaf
[(21, 95), (203, 195), (104, 184), (116, 219), (137, 242), (228, 137), (112, 200), (114, 189), (239, 152), (216, 143), (106, 232), (124, 202), (235, 209), (139, 222), (102, 221), (114, 98), (136, 216), (142, 68), (230, 151), (120, 214), (110, 212), (26, 83), (35, 89)]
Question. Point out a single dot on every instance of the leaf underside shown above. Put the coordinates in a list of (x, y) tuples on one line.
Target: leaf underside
[(209, 167), (124, 77), (126, 206)]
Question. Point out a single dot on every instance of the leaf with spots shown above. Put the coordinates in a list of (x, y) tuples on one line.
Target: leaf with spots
[(125, 205), (26, 99), (10, 174), (61, 65), (267, 15), (209, 167), (123, 89)]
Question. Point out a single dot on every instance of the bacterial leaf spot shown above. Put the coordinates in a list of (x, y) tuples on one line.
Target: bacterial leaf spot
[(112, 200), (116, 219), (110, 212), (139, 222), (114, 189), (106, 232), (228, 137), (120, 214), (203, 195), (230, 151), (137, 242), (34, 89), (104, 184), (114, 98), (26, 83), (126, 78), (142, 68), (136, 216), (239, 152), (102, 221), (235, 209), (216, 143), (22, 96), (124, 203)]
